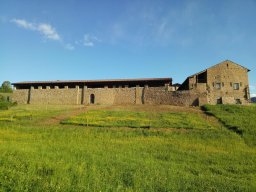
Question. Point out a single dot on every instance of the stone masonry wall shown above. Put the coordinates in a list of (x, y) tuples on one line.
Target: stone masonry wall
[(114, 95), (20, 96), (162, 96), (134, 95), (124, 96), (227, 74), (102, 95), (55, 96)]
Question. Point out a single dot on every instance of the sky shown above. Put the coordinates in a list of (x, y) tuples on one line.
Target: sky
[(84, 39)]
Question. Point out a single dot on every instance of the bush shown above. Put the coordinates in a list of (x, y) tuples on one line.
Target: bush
[(4, 105)]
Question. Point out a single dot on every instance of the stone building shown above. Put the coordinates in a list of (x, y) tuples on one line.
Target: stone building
[(226, 82)]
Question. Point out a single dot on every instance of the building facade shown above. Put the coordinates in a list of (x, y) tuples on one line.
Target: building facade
[(226, 82)]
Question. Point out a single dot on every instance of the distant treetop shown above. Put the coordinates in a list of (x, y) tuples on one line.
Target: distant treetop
[(6, 87)]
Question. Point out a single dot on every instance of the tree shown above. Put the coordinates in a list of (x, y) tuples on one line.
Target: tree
[(6, 87)]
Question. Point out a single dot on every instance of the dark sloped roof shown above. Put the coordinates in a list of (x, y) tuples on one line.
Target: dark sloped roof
[(141, 80)]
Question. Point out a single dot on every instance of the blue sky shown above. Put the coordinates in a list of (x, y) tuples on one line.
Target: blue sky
[(83, 39)]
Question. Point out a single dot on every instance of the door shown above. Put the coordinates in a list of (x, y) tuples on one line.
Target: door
[(92, 98)]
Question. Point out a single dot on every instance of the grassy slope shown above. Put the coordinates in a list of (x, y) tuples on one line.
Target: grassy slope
[(139, 119), (241, 119), (40, 156)]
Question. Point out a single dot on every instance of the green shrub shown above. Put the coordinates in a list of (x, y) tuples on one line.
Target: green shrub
[(5, 103)]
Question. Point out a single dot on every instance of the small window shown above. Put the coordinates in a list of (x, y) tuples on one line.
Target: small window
[(219, 100), (222, 84), (217, 85), (236, 86), (238, 101), (241, 84), (231, 84)]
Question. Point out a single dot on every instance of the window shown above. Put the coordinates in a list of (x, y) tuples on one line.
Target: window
[(238, 101), (236, 86), (217, 85), (219, 100)]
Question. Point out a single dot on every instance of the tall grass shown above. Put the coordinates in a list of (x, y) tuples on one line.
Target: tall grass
[(241, 119), (53, 157), (134, 119)]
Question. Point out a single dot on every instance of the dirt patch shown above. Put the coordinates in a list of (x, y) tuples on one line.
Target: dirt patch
[(57, 119)]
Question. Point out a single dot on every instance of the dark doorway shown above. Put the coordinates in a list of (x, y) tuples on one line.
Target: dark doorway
[(92, 98)]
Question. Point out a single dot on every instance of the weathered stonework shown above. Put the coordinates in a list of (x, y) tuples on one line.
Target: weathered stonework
[(55, 96), (226, 82), (20, 96), (162, 96)]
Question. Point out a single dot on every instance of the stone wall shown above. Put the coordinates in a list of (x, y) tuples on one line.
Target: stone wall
[(133, 95), (102, 95), (114, 95), (185, 98), (227, 74), (21, 96), (55, 96)]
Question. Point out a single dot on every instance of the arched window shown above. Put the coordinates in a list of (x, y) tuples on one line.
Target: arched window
[(92, 99)]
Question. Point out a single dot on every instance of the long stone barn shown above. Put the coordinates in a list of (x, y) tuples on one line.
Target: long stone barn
[(223, 83)]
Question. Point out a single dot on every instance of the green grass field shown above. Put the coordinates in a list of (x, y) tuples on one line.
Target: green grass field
[(40, 154), (241, 119), (140, 119)]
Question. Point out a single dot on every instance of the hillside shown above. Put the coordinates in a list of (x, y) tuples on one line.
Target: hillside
[(240, 119), (253, 99), (40, 154)]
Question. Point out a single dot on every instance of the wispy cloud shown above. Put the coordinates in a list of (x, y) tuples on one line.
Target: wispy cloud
[(90, 40), (45, 29), (253, 94), (48, 31), (24, 24), (69, 47)]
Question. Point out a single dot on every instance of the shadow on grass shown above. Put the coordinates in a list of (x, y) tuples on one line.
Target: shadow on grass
[(231, 128)]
